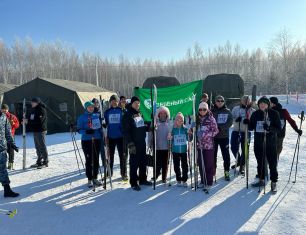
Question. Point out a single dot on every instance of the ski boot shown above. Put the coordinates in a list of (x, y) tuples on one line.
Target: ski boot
[(147, 183), (227, 175), (8, 191), (273, 187), (90, 184), (179, 184), (36, 165), (136, 187), (242, 170), (43, 165)]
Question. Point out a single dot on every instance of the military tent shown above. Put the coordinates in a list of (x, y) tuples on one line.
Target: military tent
[(161, 81), (64, 99)]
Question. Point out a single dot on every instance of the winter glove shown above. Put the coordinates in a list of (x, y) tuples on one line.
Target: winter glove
[(90, 131), (13, 146), (266, 127), (238, 119), (246, 121), (300, 132), (132, 148)]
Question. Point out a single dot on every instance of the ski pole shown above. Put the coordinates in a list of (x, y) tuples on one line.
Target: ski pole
[(190, 161), (92, 164), (171, 156), (76, 157), (237, 154), (78, 150), (204, 172)]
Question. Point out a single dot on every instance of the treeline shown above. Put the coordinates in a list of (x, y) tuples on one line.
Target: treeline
[(279, 68)]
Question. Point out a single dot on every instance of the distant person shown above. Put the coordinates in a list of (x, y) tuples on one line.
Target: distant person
[(14, 125), (224, 119), (122, 102), (284, 116), (37, 123), (205, 98), (96, 105), (5, 140)]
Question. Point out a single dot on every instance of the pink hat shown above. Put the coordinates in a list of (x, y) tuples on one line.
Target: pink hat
[(176, 118), (203, 105)]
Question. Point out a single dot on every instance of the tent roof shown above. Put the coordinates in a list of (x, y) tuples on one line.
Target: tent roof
[(6, 87), (75, 86), (160, 81)]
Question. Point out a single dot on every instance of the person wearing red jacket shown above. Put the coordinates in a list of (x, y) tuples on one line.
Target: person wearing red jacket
[(14, 125), (284, 116)]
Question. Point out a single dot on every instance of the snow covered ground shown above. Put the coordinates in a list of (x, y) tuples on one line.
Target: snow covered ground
[(56, 200)]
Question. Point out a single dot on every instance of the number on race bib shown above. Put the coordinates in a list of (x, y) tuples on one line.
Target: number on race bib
[(179, 140), (259, 127), (96, 124), (139, 122), (222, 118), (114, 118)]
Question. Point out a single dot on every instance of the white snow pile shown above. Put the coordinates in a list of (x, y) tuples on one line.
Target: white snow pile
[(56, 200)]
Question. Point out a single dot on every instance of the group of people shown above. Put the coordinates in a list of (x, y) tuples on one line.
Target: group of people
[(122, 126)]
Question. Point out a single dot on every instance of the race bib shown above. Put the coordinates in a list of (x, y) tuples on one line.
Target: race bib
[(179, 140), (114, 118), (259, 127), (204, 128), (139, 122), (282, 123), (32, 117), (96, 124), (222, 118)]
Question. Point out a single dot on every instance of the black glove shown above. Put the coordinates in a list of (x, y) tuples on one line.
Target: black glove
[(13, 146), (238, 119), (300, 132), (266, 127), (90, 131), (246, 121), (132, 148)]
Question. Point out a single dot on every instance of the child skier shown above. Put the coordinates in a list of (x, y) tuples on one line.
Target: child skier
[(179, 137)]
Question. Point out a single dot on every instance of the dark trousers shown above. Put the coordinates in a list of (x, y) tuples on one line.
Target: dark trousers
[(180, 159), (207, 165), (122, 157), (271, 155), (4, 179), (11, 154), (235, 140), (40, 145), (162, 163), (138, 162), (280, 141), (224, 145), (91, 151)]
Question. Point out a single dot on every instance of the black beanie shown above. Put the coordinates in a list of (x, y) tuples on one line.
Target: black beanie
[(113, 97), (36, 100), (274, 100), (134, 98), (265, 100)]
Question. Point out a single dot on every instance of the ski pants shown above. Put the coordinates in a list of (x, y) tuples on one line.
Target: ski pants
[(40, 145), (10, 152), (162, 163), (280, 141), (271, 156), (180, 159), (4, 179), (91, 149), (112, 143), (206, 165), (224, 145), (235, 142), (138, 161)]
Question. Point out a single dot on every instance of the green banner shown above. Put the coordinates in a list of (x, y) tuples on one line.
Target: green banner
[(176, 98)]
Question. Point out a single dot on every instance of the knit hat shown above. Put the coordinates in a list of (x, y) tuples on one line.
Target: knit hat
[(245, 97), (134, 98), (219, 97), (203, 105), (274, 100), (5, 106), (265, 100), (163, 109), (94, 100), (36, 100), (87, 104), (114, 97)]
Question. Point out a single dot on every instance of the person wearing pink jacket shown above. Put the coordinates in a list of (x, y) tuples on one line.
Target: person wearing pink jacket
[(207, 129)]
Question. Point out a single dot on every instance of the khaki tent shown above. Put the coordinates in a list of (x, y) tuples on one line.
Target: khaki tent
[(64, 100), (161, 81)]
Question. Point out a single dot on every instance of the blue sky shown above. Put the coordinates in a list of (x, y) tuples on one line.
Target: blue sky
[(158, 29)]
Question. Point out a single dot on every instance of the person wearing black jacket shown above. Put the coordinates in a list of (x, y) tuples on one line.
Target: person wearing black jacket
[(284, 117), (134, 131), (265, 121), (37, 123)]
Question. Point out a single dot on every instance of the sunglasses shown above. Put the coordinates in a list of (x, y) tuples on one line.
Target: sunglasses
[(202, 110), (220, 101)]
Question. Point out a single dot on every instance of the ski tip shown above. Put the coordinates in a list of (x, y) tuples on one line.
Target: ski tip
[(11, 214)]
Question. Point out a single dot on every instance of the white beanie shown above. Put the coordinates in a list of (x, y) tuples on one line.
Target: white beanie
[(203, 105)]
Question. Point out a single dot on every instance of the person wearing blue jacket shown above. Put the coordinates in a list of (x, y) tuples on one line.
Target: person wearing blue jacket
[(89, 126), (179, 138), (113, 117)]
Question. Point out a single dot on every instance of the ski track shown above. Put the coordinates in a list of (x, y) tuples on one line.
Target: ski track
[(56, 200)]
